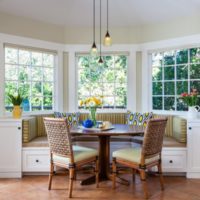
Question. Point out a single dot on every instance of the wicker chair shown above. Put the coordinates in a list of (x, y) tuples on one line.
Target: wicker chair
[(145, 157), (63, 154)]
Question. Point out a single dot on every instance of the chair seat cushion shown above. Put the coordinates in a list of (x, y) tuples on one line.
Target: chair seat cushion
[(80, 154), (132, 155)]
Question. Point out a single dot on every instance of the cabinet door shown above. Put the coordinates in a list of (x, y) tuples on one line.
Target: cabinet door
[(10, 147), (193, 142)]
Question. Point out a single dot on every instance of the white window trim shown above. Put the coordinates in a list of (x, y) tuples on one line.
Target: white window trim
[(131, 77), (23, 41), (163, 45)]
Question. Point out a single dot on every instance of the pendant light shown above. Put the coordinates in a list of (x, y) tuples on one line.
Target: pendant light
[(94, 47), (100, 57), (107, 38)]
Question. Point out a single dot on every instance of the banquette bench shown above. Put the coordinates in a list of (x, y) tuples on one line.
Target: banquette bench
[(36, 151)]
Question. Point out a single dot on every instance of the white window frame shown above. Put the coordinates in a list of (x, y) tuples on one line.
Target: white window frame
[(131, 75), (35, 50), (159, 46), (107, 54), (34, 43)]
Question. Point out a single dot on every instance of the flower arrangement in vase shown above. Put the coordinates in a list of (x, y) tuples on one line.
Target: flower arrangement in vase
[(16, 100), (191, 101), (91, 103)]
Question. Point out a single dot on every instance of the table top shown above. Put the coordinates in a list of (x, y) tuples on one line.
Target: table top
[(118, 129)]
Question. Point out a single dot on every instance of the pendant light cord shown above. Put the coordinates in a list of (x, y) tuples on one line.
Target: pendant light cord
[(100, 28), (107, 15), (94, 20)]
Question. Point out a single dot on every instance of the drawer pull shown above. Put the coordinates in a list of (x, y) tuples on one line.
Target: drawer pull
[(171, 161), (190, 128), (19, 128), (37, 160)]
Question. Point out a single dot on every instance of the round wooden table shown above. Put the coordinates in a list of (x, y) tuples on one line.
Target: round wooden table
[(104, 142)]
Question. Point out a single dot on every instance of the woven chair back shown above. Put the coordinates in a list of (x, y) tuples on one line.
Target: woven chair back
[(58, 135), (153, 137)]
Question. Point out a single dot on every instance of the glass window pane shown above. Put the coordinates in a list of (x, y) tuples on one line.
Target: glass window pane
[(180, 105), (157, 103), (195, 71), (169, 88), (36, 103), (36, 73), (157, 59), (108, 89), (47, 89), (11, 72), (84, 89), (47, 103), (182, 72), (108, 101), (169, 58), (195, 84), (10, 87), (121, 76), (48, 60), (96, 89), (108, 62), (181, 87), (11, 56), (169, 103), (120, 62), (182, 56), (169, 73), (48, 74), (195, 55), (157, 73), (24, 57), (24, 89), (37, 88), (83, 62), (121, 101), (157, 88), (24, 73), (109, 76), (36, 59)]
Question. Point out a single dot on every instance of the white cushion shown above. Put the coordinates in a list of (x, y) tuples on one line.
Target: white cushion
[(80, 154), (132, 155)]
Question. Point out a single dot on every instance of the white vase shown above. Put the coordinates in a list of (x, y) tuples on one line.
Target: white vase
[(192, 112)]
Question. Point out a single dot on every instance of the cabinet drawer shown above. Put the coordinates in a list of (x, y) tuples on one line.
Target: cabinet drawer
[(174, 161), (36, 161)]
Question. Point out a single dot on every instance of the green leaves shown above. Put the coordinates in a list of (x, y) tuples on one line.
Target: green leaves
[(15, 100)]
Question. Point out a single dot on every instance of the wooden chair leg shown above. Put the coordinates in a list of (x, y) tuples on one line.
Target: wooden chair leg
[(97, 171), (114, 171), (144, 184), (160, 176), (133, 174), (71, 178), (51, 175)]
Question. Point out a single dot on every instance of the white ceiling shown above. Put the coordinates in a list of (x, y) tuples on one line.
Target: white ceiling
[(123, 13)]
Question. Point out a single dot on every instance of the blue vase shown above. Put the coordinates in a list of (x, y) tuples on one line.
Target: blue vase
[(88, 123)]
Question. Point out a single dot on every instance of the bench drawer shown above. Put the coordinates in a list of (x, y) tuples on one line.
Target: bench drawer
[(174, 160), (36, 160)]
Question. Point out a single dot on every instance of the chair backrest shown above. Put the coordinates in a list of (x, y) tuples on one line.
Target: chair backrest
[(58, 135), (153, 137)]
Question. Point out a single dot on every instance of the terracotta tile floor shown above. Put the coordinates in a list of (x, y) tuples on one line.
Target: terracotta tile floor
[(35, 188)]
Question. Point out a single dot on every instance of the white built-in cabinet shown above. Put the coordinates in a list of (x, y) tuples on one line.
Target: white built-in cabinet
[(193, 146), (10, 148)]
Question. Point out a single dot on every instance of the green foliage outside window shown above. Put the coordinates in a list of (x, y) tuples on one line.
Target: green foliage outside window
[(174, 72), (108, 80), (32, 74)]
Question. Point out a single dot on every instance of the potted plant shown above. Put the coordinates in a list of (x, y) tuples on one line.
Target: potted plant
[(16, 100)]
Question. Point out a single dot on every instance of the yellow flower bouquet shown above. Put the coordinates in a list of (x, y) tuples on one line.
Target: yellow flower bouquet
[(91, 103)]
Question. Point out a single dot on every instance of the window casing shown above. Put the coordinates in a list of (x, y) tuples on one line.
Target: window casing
[(174, 72), (31, 72), (108, 80)]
